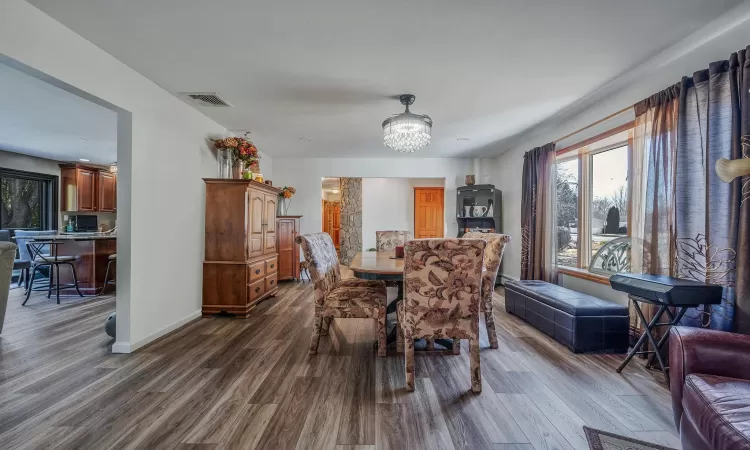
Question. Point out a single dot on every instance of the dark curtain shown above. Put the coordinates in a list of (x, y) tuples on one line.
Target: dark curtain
[(537, 214), (712, 218)]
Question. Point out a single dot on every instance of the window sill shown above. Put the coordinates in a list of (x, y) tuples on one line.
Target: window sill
[(584, 275)]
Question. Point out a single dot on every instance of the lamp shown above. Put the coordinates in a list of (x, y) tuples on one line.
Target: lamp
[(407, 132)]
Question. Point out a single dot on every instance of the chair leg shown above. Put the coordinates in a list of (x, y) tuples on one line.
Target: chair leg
[(57, 281), (20, 278), (326, 325), (489, 322), (50, 273), (106, 277), (75, 279), (456, 346), (382, 331), (316, 336), (28, 289), (26, 278), (409, 362), (430, 343), (399, 339), (476, 372)]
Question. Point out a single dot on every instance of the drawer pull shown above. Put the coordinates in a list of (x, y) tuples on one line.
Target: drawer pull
[(257, 271), (272, 266), (272, 281), (257, 289)]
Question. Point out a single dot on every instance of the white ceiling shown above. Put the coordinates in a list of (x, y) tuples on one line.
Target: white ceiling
[(42, 120), (317, 78)]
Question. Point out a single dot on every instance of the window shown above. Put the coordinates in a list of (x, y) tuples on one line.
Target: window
[(593, 203), (567, 212), (28, 201)]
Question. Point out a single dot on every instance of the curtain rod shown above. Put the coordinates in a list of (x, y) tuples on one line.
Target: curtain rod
[(615, 114)]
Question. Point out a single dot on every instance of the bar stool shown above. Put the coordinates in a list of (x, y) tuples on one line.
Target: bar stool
[(39, 259), (112, 260)]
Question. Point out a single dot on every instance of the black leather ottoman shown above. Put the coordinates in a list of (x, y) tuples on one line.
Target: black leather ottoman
[(581, 322)]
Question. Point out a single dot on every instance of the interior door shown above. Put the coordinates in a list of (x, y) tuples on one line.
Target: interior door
[(270, 220), (256, 207), (332, 221), (428, 213)]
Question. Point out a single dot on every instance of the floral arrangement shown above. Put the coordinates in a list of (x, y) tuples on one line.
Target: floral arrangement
[(287, 192), (242, 148)]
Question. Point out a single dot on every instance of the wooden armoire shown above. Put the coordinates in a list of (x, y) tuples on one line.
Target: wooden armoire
[(241, 261), (287, 230)]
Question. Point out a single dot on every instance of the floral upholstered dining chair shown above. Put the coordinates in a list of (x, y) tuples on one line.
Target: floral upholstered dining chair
[(386, 241), (493, 256), (442, 283), (334, 297)]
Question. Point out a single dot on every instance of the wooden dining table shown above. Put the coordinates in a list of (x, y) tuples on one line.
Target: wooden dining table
[(383, 265)]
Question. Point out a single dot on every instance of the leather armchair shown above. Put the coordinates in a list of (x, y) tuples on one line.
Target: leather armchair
[(710, 386)]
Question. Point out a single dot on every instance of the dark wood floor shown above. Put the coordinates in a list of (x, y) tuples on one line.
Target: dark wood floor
[(225, 383)]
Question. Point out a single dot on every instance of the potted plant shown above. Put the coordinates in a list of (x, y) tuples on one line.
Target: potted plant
[(237, 156), (286, 198)]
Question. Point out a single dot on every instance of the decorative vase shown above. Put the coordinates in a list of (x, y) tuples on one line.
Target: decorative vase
[(470, 180), (224, 160), (238, 169), (284, 206)]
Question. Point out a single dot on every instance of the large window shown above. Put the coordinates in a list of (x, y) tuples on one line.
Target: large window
[(28, 201), (567, 212), (593, 203)]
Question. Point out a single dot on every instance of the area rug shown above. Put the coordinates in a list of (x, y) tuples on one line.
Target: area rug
[(601, 440)]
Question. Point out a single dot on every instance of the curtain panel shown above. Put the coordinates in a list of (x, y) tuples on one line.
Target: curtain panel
[(538, 218), (687, 223)]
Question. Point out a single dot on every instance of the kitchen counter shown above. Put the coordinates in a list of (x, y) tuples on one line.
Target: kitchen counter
[(75, 237), (91, 251)]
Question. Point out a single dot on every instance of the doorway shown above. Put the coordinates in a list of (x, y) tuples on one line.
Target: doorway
[(429, 210), (332, 210)]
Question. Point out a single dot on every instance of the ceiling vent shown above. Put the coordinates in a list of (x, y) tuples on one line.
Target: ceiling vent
[(206, 99)]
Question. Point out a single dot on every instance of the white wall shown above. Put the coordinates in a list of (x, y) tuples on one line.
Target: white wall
[(388, 204), (666, 69), (162, 155), (306, 175)]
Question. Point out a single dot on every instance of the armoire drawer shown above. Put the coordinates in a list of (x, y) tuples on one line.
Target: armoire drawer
[(256, 291), (257, 271), (271, 282), (272, 265)]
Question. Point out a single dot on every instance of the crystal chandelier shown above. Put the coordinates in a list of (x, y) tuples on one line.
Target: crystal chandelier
[(407, 132)]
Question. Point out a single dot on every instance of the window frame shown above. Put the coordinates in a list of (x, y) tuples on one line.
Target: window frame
[(585, 195), (50, 196)]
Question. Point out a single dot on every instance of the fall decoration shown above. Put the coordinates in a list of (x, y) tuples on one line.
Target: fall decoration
[(242, 148), (287, 192), (286, 198)]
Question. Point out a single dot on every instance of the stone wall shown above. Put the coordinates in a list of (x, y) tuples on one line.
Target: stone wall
[(351, 219)]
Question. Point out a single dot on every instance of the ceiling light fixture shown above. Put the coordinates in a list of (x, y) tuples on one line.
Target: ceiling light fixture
[(83, 159), (407, 132)]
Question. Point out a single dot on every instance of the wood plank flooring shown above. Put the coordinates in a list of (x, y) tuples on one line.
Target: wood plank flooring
[(223, 383)]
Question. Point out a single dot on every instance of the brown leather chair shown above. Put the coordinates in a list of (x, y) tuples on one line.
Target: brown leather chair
[(710, 384)]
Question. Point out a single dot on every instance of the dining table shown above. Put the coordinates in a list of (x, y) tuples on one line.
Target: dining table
[(385, 266)]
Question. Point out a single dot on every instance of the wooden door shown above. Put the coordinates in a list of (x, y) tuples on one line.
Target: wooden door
[(286, 234), (107, 192), (86, 190), (428, 213), (332, 221), (269, 219), (255, 225)]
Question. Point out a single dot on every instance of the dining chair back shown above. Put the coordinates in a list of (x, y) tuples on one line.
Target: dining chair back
[(323, 262), (493, 256), (442, 284), (23, 236), (386, 241)]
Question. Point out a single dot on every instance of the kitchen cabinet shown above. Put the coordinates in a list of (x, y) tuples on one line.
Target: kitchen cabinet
[(87, 189), (240, 266), (287, 230)]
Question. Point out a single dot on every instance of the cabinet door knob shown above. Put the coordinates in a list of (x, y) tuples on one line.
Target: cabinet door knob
[(272, 266), (272, 281), (257, 289), (257, 271)]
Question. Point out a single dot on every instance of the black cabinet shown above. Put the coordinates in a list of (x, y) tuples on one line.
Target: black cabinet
[(479, 208)]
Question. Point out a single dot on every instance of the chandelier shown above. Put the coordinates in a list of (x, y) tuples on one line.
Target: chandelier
[(407, 132)]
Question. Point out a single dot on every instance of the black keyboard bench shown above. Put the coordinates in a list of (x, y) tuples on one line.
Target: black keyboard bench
[(581, 322)]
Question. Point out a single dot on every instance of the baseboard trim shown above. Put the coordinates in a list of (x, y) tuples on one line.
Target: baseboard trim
[(130, 347)]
